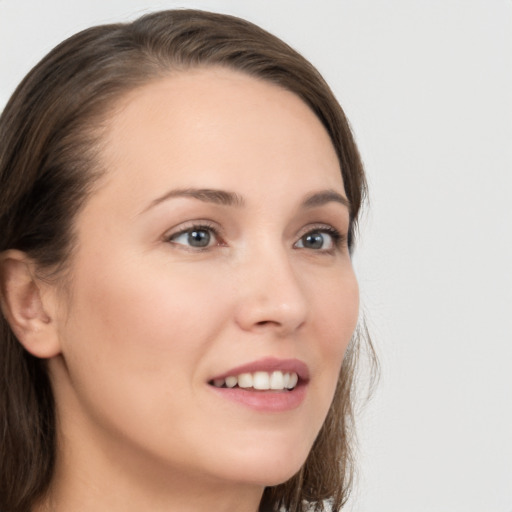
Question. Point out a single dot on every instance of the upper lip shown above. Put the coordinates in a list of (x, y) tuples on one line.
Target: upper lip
[(269, 364)]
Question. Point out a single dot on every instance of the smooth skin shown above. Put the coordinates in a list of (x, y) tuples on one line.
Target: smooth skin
[(169, 287)]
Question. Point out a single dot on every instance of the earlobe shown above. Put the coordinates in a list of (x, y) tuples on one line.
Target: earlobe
[(23, 301)]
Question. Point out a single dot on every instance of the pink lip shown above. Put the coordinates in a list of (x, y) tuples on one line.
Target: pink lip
[(269, 364), (267, 401)]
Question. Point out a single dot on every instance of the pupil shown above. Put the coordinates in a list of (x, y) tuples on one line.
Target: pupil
[(315, 241), (198, 238)]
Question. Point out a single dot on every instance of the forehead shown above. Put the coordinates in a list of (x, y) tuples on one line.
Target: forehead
[(215, 127)]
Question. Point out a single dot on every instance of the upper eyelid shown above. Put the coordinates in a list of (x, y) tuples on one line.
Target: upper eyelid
[(190, 225), (320, 226)]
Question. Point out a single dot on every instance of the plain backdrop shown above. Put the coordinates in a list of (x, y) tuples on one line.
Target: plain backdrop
[(427, 86)]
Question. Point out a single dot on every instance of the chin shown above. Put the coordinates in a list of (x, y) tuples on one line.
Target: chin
[(269, 467)]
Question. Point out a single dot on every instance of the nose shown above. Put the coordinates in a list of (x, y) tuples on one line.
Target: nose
[(270, 294)]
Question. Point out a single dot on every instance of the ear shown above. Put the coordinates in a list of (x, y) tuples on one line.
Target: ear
[(28, 304)]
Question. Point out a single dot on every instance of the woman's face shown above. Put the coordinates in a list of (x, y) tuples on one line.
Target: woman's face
[(214, 247)]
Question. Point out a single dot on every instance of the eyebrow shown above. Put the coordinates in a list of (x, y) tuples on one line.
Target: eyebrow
[(325, 196), (226, 198), (207, 195)]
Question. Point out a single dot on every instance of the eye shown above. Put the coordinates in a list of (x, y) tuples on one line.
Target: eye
[(324, 239), (197, 237)]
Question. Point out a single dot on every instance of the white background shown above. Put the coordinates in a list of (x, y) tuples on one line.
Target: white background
[(427, 85)]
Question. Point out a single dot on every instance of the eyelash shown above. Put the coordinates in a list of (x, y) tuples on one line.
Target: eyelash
[(210, 228), (338, 239)]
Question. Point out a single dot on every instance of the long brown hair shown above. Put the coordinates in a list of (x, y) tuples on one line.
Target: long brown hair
[(50, 132)]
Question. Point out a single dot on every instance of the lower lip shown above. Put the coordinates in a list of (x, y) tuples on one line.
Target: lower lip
[(265, 401)]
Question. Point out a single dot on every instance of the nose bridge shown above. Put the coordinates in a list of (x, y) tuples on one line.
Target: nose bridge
[(271, 295)]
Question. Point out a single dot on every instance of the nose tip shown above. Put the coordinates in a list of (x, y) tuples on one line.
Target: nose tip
[(271, 298), (261, 313)]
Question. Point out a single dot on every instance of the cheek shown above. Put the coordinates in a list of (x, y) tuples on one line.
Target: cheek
[(135, 335), (143, 316), (334, 314), (337, 312)]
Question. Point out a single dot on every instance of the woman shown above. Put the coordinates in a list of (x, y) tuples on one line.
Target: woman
[(178, 203)]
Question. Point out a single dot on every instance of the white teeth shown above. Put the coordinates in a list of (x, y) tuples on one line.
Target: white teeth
[(231, 382), (245, 380), (261, 380), (293, 381), (276, 380)]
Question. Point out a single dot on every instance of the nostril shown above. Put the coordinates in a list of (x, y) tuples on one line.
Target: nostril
[(264, 323)]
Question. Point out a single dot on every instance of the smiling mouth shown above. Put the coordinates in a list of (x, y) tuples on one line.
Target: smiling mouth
[(259, 381)]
